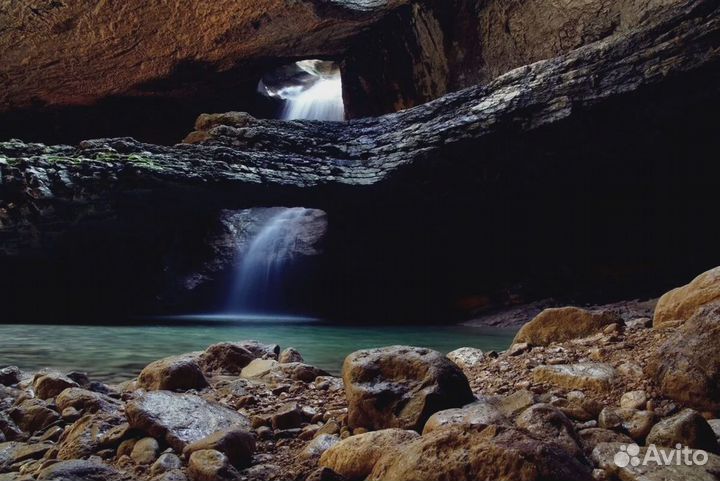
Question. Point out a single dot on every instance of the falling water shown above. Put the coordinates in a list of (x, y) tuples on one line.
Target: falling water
[(322, 101), (258, 283)]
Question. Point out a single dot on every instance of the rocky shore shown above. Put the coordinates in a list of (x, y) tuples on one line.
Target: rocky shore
[(576, 388)]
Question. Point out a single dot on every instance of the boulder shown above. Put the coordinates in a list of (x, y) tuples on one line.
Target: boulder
[(145, 451), (315, 448), (461, 453), (176, 373), (633, 400), (290, 355), (259, 368), (636, 424), (687, 428), (549, 424), (288, 416), (686, 367), (33, 415), (9, 429), (559, 324), (81, 470), (260, 350), (84, 400), (181, 419), (588, 375), (591, 437), (165, 463), (237, 444), (682, 303), (50, 384), (210, 465), (355, 457), (226, 358), (89, 435), (466, 357), (15, 452), (401, 387), (607, 455), (481, 413), (10, 375)]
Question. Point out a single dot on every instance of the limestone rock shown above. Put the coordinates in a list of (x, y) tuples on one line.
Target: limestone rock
[(237, 444), (181, 419), (15, 452), (604, 456), (688, 428), (481, 413), (563, 324), (290, 355), (88, 435), (33, 415), (81, 470), (84, 400), (401, 386), (469, 454), (687, 367), (355, 457), (593, 376), (682, 303), (636, 424), (52, 383), (176, 373), (466, 357), (315, 448), (259, 368), (549, 424), (210, 465), (225, 357), (633, 400)]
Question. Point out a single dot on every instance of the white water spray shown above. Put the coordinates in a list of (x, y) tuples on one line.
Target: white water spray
[(322, 101)]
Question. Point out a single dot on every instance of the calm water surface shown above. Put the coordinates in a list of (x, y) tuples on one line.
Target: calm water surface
[(116, 353)]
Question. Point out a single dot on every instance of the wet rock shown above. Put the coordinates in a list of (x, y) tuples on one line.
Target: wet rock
[(88, 435), (604, 456), (33, 415), (14, 452), (684, 302), (401, 386), (210, 465), (563, 324), (145, 451), (165, 463), (9, 429), (81, 470), (177, 373), (237, 444), (315, 448), (593, 436), (50, 384), (468, 454), (181, 419), (466, 357), (288, 417), (593, 376), (290, 355), (687, 428), (481, 413), (10, 375), (355, 457), (686, 367), (225, 357), (549, 424), (84, 400)]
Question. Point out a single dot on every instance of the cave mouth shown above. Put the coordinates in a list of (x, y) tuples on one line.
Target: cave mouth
[(309, 89)]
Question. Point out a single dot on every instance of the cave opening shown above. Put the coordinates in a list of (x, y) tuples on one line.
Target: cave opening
[(308, 89)]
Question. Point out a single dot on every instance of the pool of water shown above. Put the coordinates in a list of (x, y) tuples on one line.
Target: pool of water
[(116, 353)]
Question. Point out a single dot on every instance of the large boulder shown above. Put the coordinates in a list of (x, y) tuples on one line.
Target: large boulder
[(686, 367), (687, 428), (401, 387), (563, 324), (355, 457), (33, 415), (176, 373), (181, 419), (84, 400), (682, 303), (548, 423), (462, 453), (466, 357), (15, 452), (480, 413), (210, 465), (89, 435), (225, 357), (52, 383)]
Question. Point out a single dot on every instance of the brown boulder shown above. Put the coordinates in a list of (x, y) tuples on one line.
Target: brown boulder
[(355, 457), (84, 400), (89, 435), (401, 387), (461, 453), (687, 428), (290, 355), (591, 437), (549, 424), (176, 373), (237, 444), (592, 376), (563, 324), (50, 384), (682, 303), (483, 412), (33, 415), (225, 357), (686, 367), (210, 465)]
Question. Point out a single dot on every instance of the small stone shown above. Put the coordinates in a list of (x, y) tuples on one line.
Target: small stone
[(290, 355), (633, 400), (10, 375), (210, 465), (466, 357), (315, 448), (166, 462), (50, 384), (145, 451), (288, 417), (237, 444)]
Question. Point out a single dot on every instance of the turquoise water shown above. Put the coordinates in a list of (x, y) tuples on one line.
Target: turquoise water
[(116, 353)]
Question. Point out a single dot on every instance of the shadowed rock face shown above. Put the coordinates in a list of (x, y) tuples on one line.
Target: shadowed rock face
[(427, 209)]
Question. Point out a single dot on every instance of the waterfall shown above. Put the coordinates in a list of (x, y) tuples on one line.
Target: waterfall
[(322, 101), (258, 286)]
